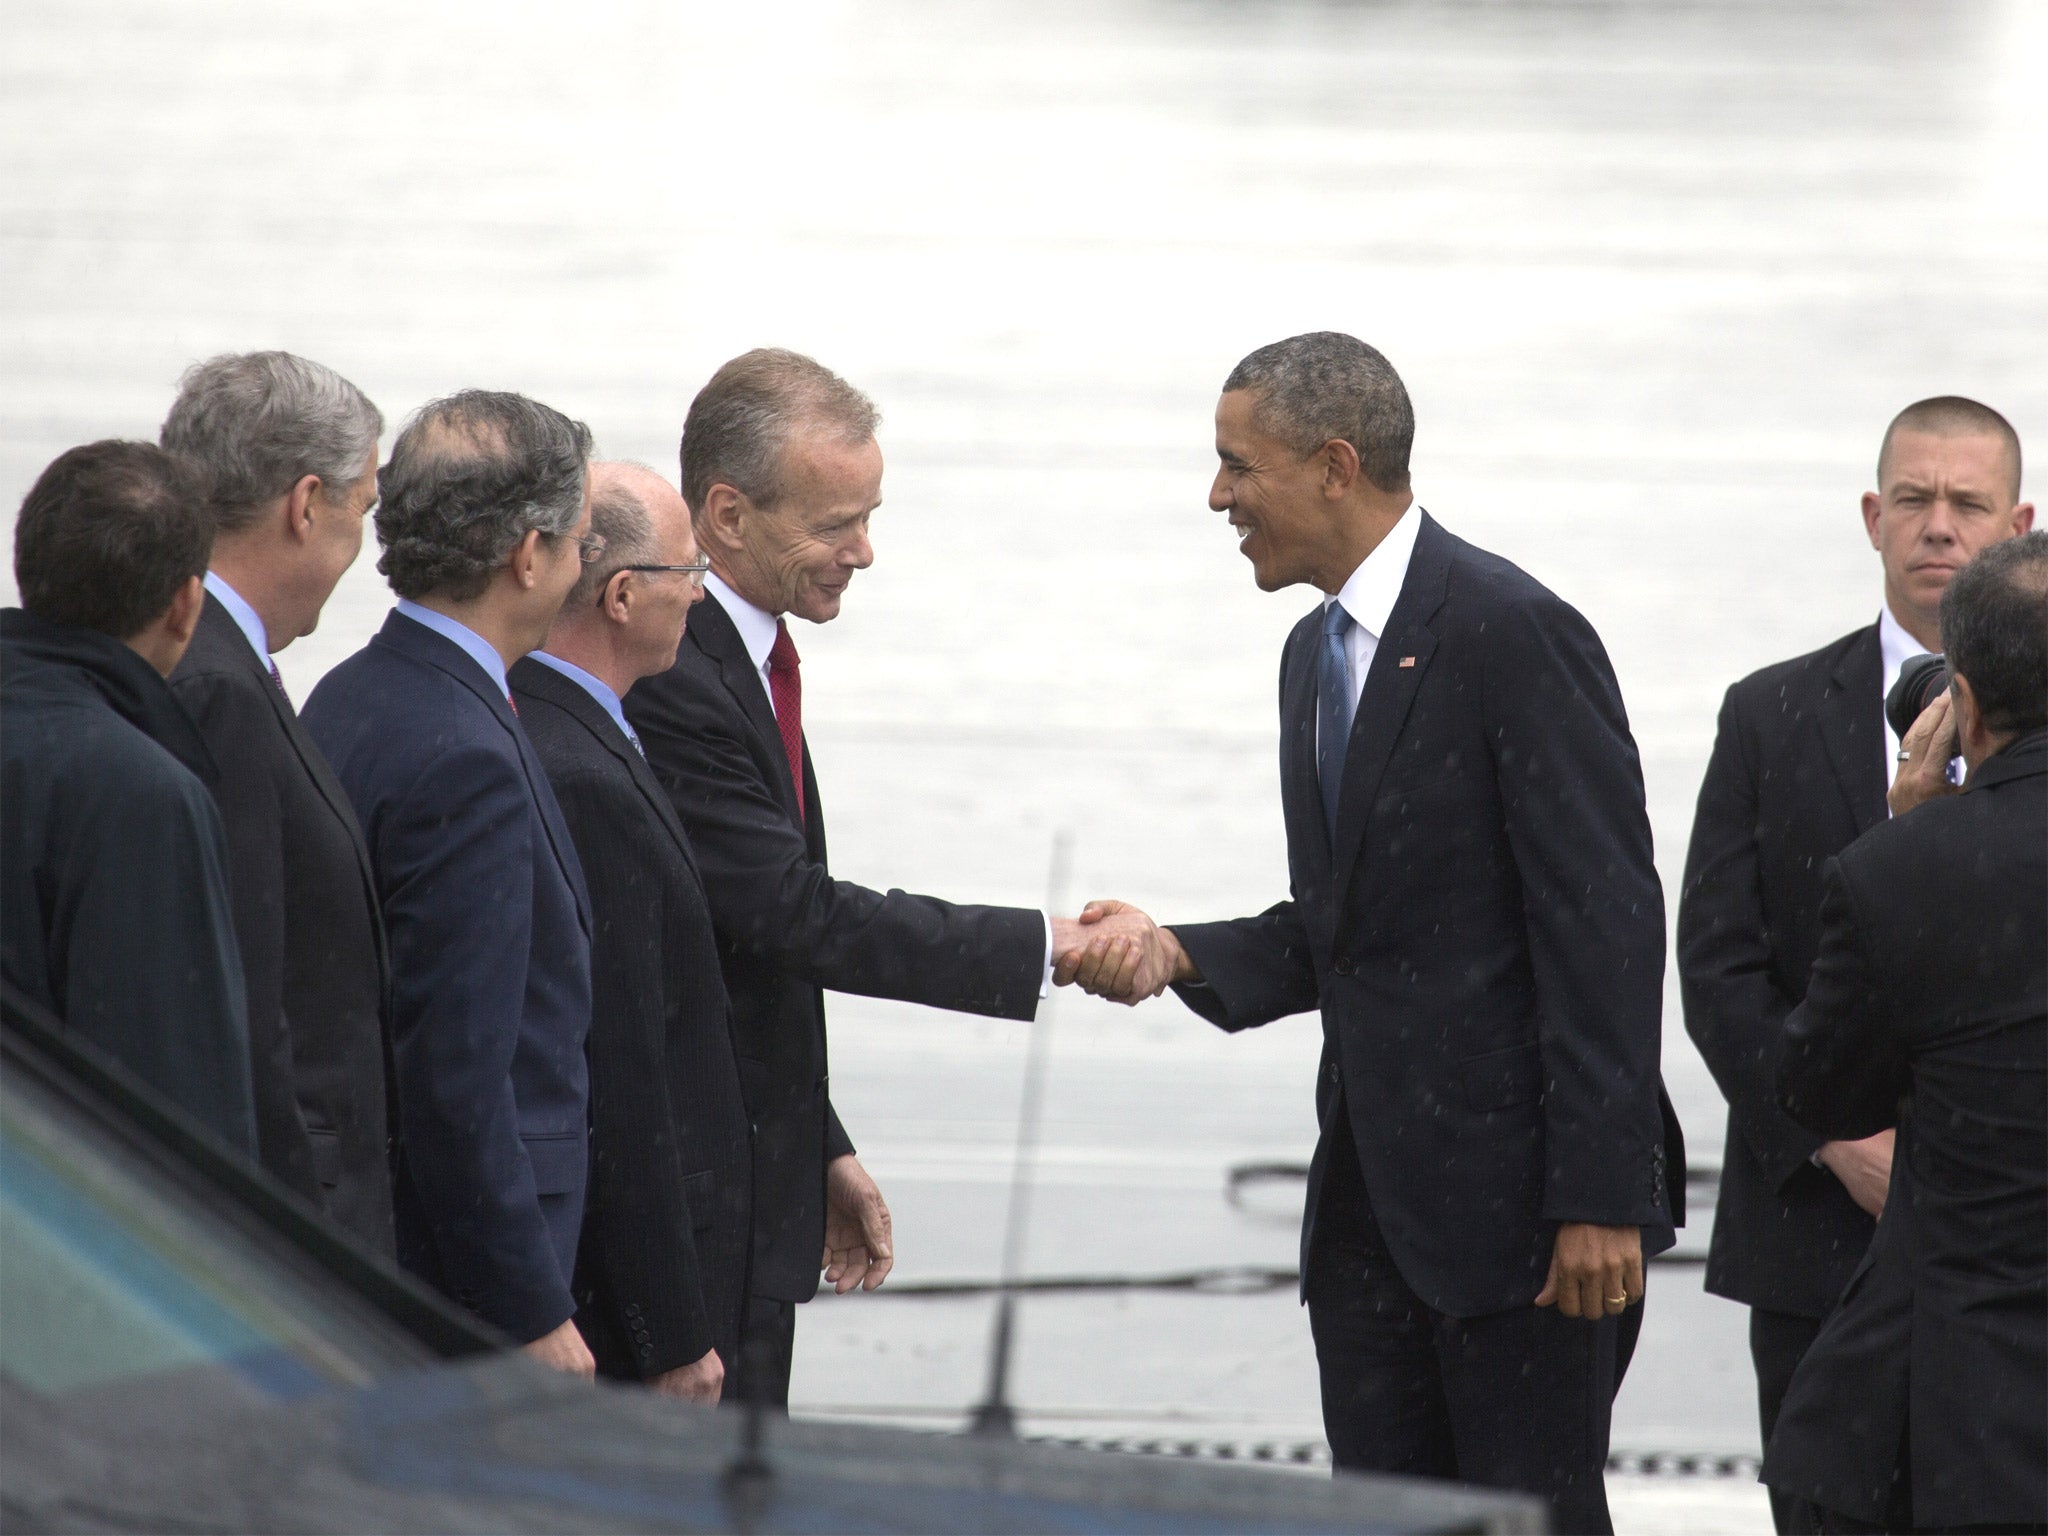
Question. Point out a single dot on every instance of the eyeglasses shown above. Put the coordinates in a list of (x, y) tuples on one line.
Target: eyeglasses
[(590, 548), (694, 570)]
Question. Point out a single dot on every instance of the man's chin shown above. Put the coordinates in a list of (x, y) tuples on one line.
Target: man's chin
[(819, 607)]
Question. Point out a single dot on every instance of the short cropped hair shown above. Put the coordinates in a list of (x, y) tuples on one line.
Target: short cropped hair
[(1952, 416), (1994, 628), (257, 422), (108, 534), (741, 422), (1313, 388), (469, 477), (620, 518)]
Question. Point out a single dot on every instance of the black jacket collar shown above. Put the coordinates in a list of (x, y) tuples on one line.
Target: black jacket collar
[(2017, 759), (131, 687)]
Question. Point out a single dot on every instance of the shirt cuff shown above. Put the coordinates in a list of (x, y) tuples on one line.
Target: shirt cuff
[(1045, 981)]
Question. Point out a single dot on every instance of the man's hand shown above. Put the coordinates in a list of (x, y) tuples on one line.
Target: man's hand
[(859, 1250), (1595, 1271), (1864, 1167), (701, 1381), (564, 1350), (1929, 747), (1128, 957)]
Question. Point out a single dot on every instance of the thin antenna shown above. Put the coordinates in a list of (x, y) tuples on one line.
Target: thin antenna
[(995, 1416)]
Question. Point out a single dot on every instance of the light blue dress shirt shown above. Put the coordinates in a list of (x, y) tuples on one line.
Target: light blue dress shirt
[(597, 688), (474, 645), (246, 618)]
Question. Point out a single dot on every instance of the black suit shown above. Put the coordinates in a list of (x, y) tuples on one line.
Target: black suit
[(1485, 942), (312, 942), (1931, 988), (1797, 774), (787, 930), (661, 1271)]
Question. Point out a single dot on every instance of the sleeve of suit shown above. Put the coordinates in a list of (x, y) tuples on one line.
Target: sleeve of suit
[(235, 722), (1842, 1065), (458, 908), (1572, 796), (770, 899), (638, 1228), (1733, 1009), (1254, 969)]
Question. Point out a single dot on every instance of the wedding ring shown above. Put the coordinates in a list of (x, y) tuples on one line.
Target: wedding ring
[(1618, 1301), (1905, 756)]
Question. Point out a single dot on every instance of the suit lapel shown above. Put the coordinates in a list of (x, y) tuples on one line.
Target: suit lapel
[(1398, 665), (1298, 746), (715, 634), (1851, 718)]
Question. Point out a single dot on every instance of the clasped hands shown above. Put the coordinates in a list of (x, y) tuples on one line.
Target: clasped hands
[(1115, 951)]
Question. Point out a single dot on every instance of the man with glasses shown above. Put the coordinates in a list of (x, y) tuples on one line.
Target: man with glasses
[(485, 526), (661, 1270)]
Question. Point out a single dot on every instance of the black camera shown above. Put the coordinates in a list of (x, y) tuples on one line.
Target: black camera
[(1921, 680)]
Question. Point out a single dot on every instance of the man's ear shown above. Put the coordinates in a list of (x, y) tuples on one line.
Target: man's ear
[(1970, 732), (1873, 504), (182, 617), (2023, 518), (1340, 468), (721, 522), (525, 560), (298, 507)]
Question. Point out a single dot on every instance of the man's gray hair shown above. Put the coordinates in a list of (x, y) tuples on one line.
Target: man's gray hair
[(1994, 628), (741, 422), (255, 423), (469, 477), (1313, 388), (621, 519)]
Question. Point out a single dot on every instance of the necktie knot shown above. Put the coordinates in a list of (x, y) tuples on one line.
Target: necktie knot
[(782, 657), (1336, 621)]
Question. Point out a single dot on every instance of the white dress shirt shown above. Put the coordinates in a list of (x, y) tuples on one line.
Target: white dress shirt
[(757, 634), (1897, 646), (597, 688), (474, 645), (247, 619), (1369, 597)]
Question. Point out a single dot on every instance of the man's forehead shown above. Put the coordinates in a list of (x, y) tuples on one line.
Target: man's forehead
[(1915, 456)]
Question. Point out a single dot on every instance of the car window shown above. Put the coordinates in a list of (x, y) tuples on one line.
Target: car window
[(111, 1271)]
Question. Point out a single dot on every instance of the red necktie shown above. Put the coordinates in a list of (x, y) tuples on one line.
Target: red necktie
[(786, 688), (277, 677)]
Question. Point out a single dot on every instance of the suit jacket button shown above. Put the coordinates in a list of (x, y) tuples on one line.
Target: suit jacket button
[(1341, 965)]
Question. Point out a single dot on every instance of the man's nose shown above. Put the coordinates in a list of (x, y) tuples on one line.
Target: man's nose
[(1219, 493), (1941, 522), (860, 554)]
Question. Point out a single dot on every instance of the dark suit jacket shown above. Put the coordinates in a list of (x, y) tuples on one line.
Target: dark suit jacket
[(1485, 940), (661, 1273), (787, 929), (1931, 987), (1798, 773), (114, 908), (311, 939), (490, 966)]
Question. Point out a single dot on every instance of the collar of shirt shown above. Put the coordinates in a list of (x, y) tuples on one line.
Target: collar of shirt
[(474, 645), (597, 688), (756, 626), (1370, 594), (247, 619)]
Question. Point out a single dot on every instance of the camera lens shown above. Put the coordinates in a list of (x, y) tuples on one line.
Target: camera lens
[(1921, 680)]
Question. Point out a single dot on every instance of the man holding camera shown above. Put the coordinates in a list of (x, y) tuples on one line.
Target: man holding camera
[(1799, 770), (1923, 1403)]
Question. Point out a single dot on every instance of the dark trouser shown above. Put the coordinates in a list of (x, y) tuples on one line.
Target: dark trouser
[(1778, 1341), (1519, 1399), (767, 1345)]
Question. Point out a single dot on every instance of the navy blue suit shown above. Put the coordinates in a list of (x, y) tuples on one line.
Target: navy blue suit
[(489, 930), (1484, 938)]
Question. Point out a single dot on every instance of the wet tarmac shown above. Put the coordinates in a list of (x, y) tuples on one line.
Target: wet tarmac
[(1657, 274)]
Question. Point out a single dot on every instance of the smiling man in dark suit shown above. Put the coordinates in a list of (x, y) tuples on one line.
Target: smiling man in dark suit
[(290, 449), (1800, 764), (1474, 912), (484, 522), (662, 1268), (781, 472)]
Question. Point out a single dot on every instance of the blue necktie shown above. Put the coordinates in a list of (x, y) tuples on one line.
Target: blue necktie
[(1334, 706)]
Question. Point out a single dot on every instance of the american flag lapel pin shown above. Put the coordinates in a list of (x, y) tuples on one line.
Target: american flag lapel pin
[(1407, 661)]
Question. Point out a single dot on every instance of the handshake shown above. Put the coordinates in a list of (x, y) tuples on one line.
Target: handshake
[(1115, 951)]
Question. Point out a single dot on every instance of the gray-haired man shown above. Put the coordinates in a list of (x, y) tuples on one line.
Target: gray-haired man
[(484, 521), (290, 450)]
